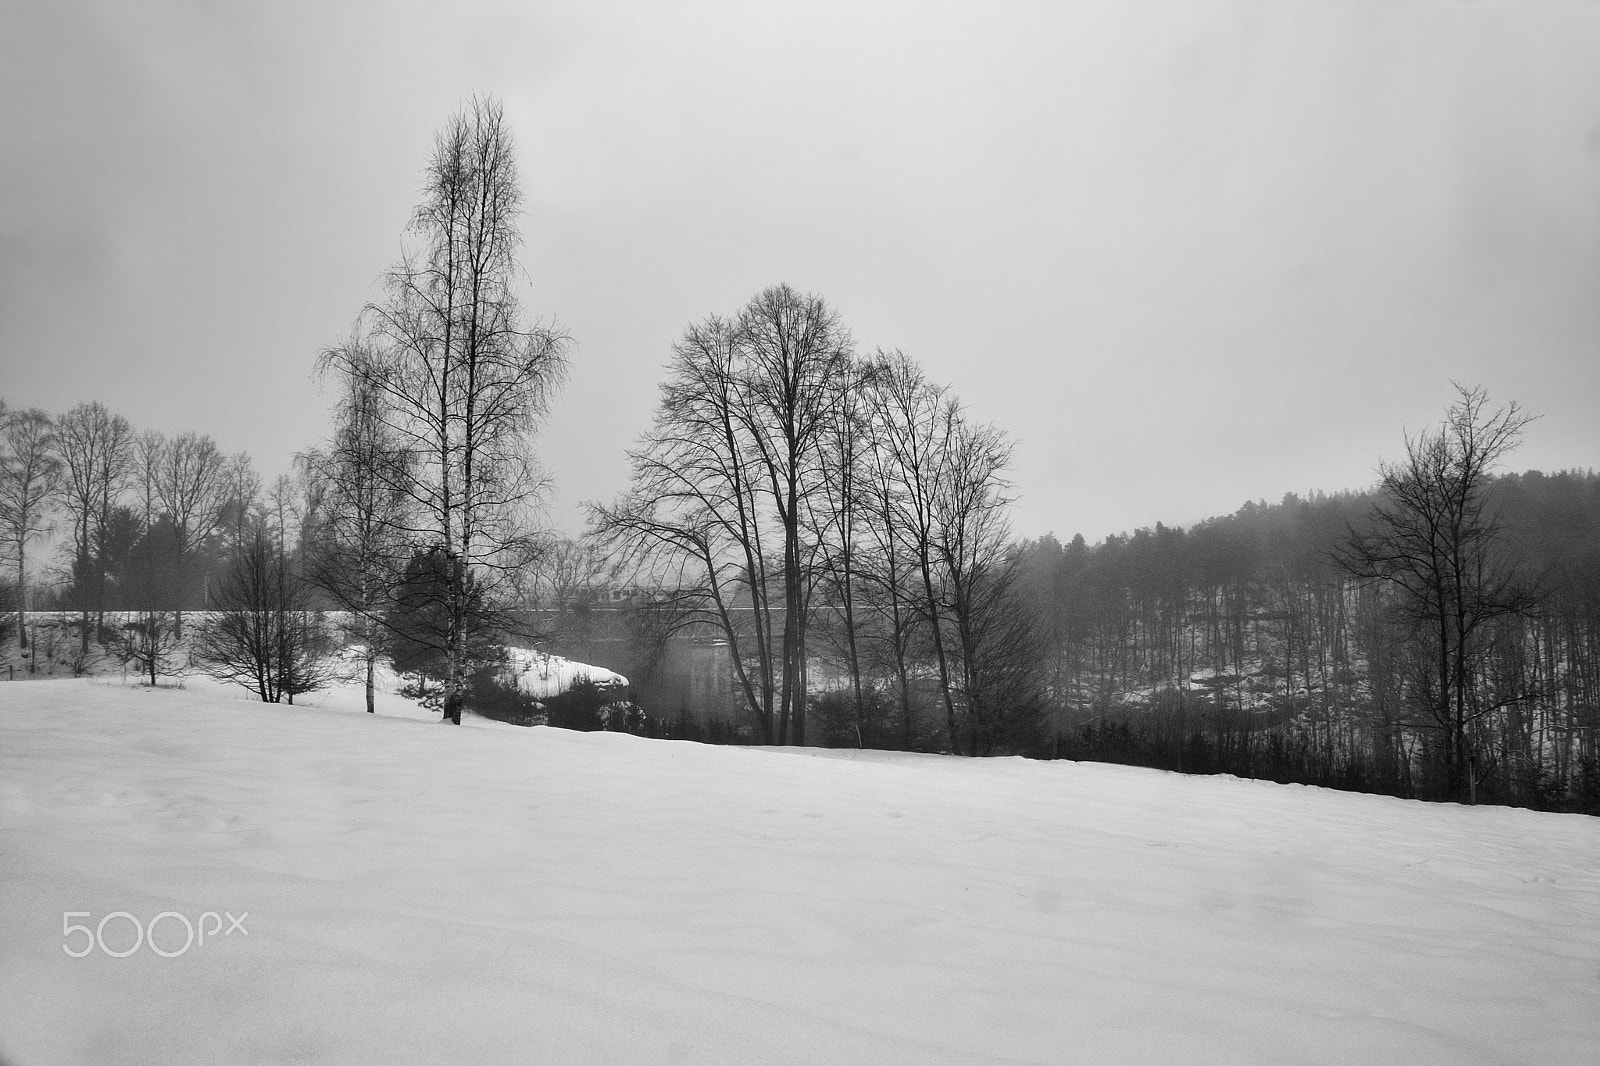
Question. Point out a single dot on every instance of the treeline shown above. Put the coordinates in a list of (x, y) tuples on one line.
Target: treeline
[(1252, 645), (144, 521), (157, 527)]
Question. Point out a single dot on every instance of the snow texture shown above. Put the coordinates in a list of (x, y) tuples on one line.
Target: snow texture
[(427, 894)]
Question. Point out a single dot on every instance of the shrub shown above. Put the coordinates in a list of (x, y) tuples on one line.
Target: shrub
[(588, 706), (493, 693)]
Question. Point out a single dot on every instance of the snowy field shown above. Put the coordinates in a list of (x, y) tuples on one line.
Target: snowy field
[(414, 893)]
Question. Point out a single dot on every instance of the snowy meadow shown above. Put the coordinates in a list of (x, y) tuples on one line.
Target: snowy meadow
[(535, 895)]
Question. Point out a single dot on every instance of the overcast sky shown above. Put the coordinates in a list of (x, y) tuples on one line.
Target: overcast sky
[(1189, 255)]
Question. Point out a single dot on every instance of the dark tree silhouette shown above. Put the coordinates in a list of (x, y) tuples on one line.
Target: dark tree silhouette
[(1435, 539), (724, 487), (358, 550), (263, 634)]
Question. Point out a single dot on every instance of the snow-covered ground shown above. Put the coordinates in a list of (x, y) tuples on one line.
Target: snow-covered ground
[(417, 893), (542, 675), (537, 673)]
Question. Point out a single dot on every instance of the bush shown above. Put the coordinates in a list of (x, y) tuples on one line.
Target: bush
[(149, 643), (836, 709), (492, 693), (587, 706)]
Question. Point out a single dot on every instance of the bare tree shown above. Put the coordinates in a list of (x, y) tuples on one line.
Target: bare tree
[(240, 495), (692, 519), (280, 513), (148, 450), (1436, 542), (462, 380), (191, 483), (913, 423), (151, 640), (567, 572), (796, 353), (97, 449), (723, 486), (887, 576), (937, 498), (562, 581), (30, 476), (837, 517), (358, 548), (150, 643), (264, 635), (992, 635)]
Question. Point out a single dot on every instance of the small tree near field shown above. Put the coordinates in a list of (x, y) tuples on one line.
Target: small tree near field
[(358, 543), (264, 636), (150, 644), (420, 617)]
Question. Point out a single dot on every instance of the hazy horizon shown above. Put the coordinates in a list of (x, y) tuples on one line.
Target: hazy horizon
[(1189, 255)]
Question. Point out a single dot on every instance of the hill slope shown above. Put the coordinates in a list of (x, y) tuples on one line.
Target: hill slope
[(491, 894)]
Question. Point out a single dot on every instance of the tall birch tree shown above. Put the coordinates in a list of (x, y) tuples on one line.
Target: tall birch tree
[(30, 476), (462, 378)]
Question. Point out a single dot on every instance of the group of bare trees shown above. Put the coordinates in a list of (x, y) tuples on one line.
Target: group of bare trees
[(420, 494), (814, 507), (153, 526)]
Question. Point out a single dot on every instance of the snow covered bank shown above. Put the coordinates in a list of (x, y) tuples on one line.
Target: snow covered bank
[(544, 676), (421, 893)]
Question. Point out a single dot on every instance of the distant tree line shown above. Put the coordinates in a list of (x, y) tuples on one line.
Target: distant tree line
[(149, 527), (1437, 637)]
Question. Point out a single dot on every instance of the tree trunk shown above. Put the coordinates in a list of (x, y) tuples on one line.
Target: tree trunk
[(22, 599), (83, 590), (939, 655)]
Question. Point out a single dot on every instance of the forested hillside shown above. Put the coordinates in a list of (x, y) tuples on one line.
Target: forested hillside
[(1246, 645)]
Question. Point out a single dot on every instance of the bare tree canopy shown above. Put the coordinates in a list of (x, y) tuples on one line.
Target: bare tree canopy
[(723, 485), (264, 636), (358, 541), (788, 490), (1435, 539), (459, 381), (30, 477), (97, 450)]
